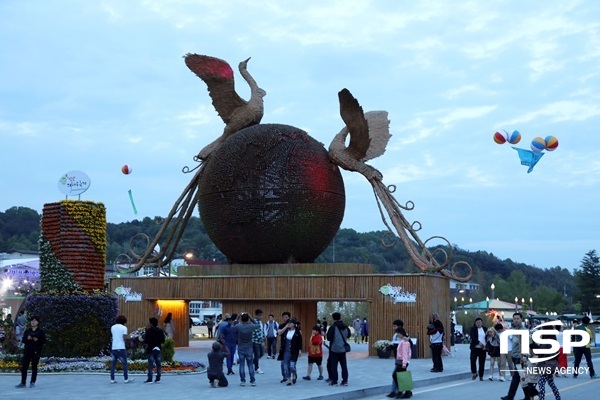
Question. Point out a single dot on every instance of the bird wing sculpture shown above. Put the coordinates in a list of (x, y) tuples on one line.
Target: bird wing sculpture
[(369, 135), (233, 110), (237, 114)]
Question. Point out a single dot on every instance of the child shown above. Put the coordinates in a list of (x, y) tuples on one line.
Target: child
[(215, 373), (493, 349), (528, 381), (403, 355), (315, 353)]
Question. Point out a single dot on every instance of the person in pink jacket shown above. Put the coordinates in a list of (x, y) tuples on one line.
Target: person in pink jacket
[(403, 355)]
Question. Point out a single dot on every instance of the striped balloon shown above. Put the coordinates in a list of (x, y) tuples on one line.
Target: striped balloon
[(538, 144), (499, 138), (551, 143), (514, 137), (126, 169)]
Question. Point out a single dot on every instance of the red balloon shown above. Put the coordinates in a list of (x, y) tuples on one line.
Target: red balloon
[(126, 169), (499, 138)]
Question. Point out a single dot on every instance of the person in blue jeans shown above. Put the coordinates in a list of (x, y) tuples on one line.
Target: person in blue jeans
[(119, 335), (244, 331), (154, 338), (289, 352), (229, 336)]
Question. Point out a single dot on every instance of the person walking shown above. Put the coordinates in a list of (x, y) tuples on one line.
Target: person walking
[(270, 329), (492, 347), (515, 353), (562, 357), (315, 353), (395, 342), (550, 367), (258, 340), (119, 335), (244, 331), (477, 346), (356, 325), (229, 338), (337, 336), (505, 359), (214, 373), (403, 356), (20, 325), (578, 352), (285, 317), (33, 341), (325, 324), (290, 350), (154, 338), (170, 326), (435, 330), (210, 324), (364, 331)]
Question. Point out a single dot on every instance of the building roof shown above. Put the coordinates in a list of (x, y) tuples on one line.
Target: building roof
[(495, 304)]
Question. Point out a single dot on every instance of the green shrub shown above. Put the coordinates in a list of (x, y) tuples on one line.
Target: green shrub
[(76, 324), (86, 337), (168, 350)]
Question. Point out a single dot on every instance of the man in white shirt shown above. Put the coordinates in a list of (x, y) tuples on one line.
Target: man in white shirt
[(119, 335)]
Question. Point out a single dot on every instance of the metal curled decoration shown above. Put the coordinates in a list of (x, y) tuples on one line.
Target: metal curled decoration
[(118, 268), (184, 206), (132, 251), (393, 243), (419, 253)]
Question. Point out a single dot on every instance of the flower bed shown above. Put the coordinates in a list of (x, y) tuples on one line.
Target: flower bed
[(10, 363)]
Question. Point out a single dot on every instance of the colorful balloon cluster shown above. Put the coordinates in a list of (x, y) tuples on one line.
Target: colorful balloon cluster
[(512, 138), (538, 144)]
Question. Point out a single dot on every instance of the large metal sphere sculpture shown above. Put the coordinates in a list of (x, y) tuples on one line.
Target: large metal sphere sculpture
[(270, 194)]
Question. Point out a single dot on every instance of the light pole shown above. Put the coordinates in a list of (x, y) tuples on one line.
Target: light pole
[(487, 299), (492, 286), (531, 303), (516, 304)]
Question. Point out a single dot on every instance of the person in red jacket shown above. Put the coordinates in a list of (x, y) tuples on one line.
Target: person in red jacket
[(315, 353)]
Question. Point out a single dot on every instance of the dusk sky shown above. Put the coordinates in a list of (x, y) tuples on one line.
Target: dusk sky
[(92, 86)]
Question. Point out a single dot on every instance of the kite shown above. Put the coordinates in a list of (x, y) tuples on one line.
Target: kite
[(132, 203), (528, 157)]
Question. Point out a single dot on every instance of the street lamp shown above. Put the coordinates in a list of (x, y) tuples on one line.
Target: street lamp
[(516, 304), (492, 286), (487, 299), (531, 304)]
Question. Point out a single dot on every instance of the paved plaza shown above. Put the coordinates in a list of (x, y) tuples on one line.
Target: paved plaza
[(368, 376)]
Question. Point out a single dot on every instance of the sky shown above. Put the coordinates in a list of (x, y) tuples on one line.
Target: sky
[(93, 86)]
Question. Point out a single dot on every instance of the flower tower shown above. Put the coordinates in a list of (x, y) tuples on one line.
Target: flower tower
[(73, 246)]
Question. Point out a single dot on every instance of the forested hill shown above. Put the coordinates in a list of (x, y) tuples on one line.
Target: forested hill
[(19, 230)]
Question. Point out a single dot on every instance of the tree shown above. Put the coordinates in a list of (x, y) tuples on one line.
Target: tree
[(587, 280)]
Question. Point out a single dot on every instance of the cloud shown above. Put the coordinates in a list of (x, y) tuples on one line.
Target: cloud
[(461, 113), (558, 112)]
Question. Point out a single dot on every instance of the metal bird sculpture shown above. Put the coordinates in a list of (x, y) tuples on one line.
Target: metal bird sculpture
[(369, 135), (236, 112)]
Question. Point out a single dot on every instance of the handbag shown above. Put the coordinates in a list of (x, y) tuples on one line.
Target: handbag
[(346, 345), (404, 380)]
